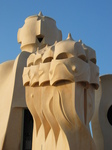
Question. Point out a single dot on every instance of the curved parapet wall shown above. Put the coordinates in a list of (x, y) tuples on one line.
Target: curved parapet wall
[(12, 98), (102, 119)]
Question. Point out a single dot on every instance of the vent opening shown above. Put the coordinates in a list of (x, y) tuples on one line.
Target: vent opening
[(109, 115), (27, 130), (40, 38)]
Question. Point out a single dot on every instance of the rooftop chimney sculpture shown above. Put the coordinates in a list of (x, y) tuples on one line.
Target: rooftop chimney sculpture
[(56, 80), (60, 81)]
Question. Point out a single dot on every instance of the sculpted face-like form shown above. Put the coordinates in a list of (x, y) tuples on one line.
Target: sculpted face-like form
[(68, 63), (44, 73), (69, 70), (34, 75), (36, 32)]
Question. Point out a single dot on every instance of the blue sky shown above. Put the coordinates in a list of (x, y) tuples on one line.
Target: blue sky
[(88, 20)]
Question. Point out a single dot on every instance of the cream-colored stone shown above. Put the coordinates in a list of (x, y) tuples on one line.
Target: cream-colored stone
[(10, 84), (38, 59), (14, 130), (64, 98), (96, 129), (34, 76), (48, 54), (30, 60), (26, 77), (36, 119), (70, 121), (5, 99), (44, 73), (60, 78), (38, 31), (69, 48), (90, 53), (65, 67), (101, 122)]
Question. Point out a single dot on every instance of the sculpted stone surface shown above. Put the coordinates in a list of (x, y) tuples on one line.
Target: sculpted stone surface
[(12, 102), (63, 95), (56, 80), (38, 31), (102, 119), (35, 34)]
